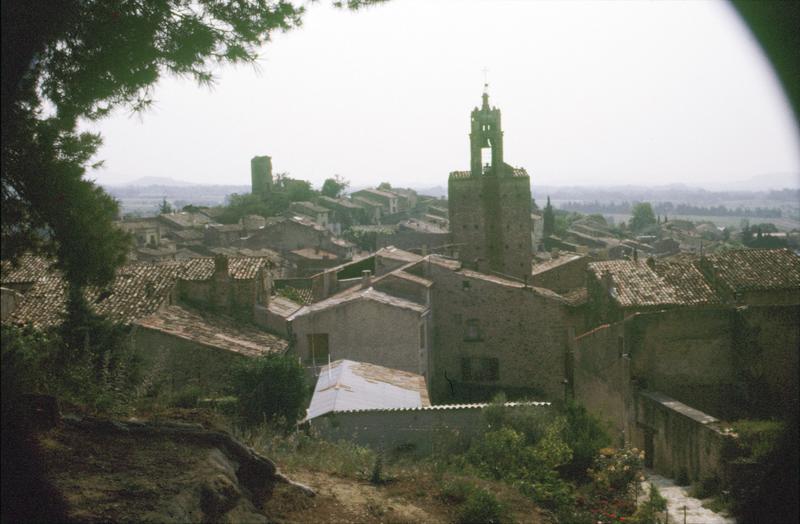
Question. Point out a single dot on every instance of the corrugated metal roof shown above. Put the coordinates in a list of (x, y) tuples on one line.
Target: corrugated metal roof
[(346, 385)]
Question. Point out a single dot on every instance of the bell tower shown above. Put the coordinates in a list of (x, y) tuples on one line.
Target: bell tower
[(486, 139), (490, 205)]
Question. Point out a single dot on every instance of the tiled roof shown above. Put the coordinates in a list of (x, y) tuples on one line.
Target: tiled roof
[(214, 330), (185, 219), (240, 268), (395, 253), (635, 283), (754, 269), (510, 283), (29, 269), (337, 202), (354, 294), (311, 253), (555, 262), (138, 290), (376, 192), (282, 306), (309, 206), (361, 201)]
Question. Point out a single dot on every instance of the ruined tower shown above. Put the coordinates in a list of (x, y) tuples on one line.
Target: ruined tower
[(490, 205), (261, 175)]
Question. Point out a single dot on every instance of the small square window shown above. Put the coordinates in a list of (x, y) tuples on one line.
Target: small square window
[(473, 331), (465, 284)]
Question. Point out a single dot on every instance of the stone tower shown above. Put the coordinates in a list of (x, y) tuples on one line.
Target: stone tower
[(490, 205), (261, 175)]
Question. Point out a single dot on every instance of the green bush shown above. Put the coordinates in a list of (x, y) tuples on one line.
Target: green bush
[(270, 388), (99, 373), (480, 507), (585, 437)]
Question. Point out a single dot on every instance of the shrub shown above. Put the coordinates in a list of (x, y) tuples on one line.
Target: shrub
[(480, 507), (269, 388), (585, 437), (616, 470), (455, 490)]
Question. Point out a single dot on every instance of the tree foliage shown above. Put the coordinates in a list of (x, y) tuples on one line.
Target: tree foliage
[(80, 60), (334, 187), (548, 219), (642, 217), (270, 388)]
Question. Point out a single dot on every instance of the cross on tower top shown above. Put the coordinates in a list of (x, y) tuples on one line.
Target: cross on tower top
[(485, 79)]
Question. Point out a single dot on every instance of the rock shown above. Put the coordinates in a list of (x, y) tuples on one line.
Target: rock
[(218, 495)]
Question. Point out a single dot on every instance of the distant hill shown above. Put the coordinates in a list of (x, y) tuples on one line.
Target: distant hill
[(155, 181)]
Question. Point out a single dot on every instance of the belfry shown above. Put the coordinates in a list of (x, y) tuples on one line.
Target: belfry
[(490, 205)]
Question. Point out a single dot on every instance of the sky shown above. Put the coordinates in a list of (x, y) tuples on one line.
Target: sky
[(592, 93)]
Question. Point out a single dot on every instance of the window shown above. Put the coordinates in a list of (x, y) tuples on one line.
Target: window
[(318, 348), (422, 336), (480, 369), (473, 331), (465, 284)]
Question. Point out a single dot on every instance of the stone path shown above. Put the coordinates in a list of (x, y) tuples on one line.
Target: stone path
[(678, 497)]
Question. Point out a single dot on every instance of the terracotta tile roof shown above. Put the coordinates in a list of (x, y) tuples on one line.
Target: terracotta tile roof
[(138, 290), (213, 330), (398, 254), (354, 294), (754, 269), (28, 269), (184, 219), (311, 253), (282, 306), (554, 262), (240, 268), (635, 283)]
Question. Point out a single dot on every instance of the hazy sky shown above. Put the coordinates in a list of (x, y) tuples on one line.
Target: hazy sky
[(591, 93)]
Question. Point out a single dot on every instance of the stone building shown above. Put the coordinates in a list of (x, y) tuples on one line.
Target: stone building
[(343, 213), (261, 175), (677, 345), (318, 214), (187, 321), (389, 201), (493, 334), (490, 205), (366, 325), (292, 233)]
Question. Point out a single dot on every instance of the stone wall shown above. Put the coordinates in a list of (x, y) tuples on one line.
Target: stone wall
[(679, 441), (600, 379), (686, 354), (565, 277), (10, 298), (365, 331), (172, 363), (520, 331), (421, 431)]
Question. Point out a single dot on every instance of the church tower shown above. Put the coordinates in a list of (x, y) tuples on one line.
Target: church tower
[(490, 205), (261, 175)]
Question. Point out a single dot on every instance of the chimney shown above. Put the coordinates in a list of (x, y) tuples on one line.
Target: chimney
[(554, 254), (608, 280), (424, 249), (366, 279), (220, 265), (651, 263)]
